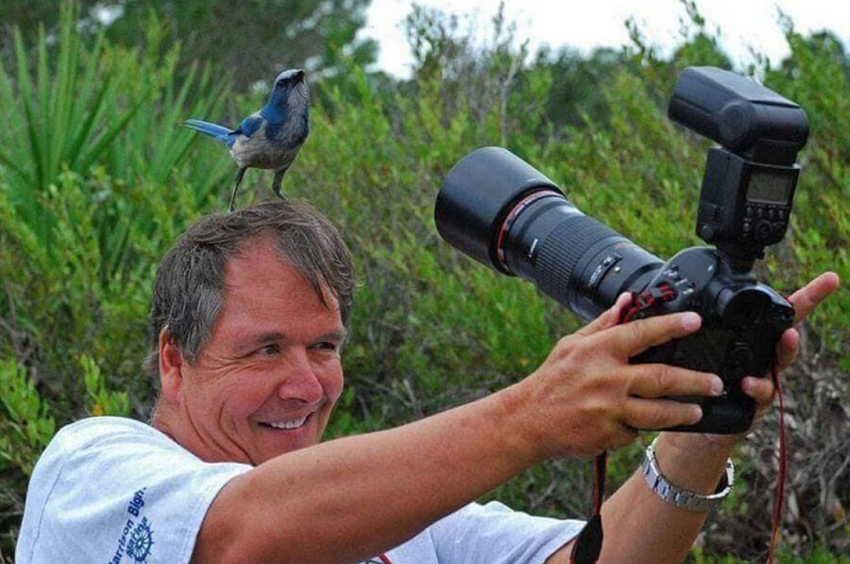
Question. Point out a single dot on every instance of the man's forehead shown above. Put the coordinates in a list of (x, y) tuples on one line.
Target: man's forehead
[(260, 244), (258, 255), (260, 262)]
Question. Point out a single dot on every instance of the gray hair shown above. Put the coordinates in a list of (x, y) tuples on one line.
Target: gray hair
[(188, 292)]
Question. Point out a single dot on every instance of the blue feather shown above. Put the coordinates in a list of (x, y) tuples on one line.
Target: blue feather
[(250, 125), (207, 128)]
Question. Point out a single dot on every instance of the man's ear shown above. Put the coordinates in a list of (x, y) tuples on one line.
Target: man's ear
[(171, 363)]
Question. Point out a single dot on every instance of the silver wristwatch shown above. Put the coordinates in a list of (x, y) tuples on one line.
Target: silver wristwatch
[(685, 499)]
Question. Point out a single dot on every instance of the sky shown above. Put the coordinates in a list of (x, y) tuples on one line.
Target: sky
[(745, 25)]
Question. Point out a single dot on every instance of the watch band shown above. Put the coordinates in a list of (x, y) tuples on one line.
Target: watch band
[(679, 497)]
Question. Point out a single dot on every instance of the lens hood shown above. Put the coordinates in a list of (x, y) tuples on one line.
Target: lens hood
[(477, 194)]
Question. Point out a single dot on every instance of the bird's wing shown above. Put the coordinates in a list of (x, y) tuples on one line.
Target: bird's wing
[(250, 125)]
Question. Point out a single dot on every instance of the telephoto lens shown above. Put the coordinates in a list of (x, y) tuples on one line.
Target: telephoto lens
[(498, 209)]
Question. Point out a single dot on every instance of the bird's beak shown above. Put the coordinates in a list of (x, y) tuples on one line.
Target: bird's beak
[(299, 76)]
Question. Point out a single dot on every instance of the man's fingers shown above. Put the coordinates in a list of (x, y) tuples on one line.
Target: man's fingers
[(633, 338), (625, 435), (761, 390), (660, 413), (606, 319), (807, 298), (656, 380), (786, 350)]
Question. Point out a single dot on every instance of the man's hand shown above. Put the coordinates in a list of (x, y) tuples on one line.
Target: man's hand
[(762, 389), (804, 300), (642, 528), (587, 397)]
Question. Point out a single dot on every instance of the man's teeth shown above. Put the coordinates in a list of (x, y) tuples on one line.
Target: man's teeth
[(288, 424)]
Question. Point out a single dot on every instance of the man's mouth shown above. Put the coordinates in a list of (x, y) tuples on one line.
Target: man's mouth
[(288, 424)]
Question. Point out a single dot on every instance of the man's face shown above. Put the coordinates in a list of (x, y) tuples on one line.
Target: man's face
[(268, 378)]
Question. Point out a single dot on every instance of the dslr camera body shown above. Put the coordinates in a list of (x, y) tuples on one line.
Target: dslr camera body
[(502, 212)]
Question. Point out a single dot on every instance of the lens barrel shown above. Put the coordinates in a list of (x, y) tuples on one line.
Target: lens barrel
[(501, 211)]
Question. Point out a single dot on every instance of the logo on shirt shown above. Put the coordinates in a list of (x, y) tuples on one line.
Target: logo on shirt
[(141, 540), (136, 537)]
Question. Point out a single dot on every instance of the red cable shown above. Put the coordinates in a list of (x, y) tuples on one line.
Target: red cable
[(643, 301), (384, 559), (782, 471)]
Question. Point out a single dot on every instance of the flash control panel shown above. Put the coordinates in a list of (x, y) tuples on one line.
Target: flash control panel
[(764, 223)]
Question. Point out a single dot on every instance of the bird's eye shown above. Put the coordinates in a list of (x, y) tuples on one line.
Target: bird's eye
[(282, 82)]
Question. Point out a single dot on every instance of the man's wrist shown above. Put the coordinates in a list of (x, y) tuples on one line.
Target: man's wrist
[(682, 497), (701, 444), (693, 461)]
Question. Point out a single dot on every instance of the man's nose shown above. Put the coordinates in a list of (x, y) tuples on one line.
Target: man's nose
[(299, 379)]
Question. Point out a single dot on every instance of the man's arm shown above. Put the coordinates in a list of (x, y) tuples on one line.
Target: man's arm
[(349, 499), (639, 526)]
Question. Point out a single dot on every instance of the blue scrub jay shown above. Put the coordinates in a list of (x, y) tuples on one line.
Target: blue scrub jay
[(270, 138)]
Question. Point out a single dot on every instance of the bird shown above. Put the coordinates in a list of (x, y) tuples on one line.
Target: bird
[(271, 137)]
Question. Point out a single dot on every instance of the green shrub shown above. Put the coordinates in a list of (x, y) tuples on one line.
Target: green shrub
[(107, 179), (28, 425)]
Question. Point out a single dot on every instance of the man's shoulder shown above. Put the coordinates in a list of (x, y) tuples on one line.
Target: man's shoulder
[(85, 443), (84, 435), (92, 428), (78, 466), (105, 484)]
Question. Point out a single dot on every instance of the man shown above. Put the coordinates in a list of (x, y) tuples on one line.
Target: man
[(249, 317)]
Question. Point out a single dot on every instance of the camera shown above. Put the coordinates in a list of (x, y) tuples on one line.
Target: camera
[(502, 212)]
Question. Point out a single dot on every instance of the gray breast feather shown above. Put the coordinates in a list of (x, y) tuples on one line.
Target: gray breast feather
[(269, 147)]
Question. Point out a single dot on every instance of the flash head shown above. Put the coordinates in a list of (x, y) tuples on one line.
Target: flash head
[(739, 114)]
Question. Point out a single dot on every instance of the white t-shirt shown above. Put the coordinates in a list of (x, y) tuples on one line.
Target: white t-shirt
[(109, 490)]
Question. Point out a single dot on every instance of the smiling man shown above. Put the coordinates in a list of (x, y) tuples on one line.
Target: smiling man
[(249, 316), (270, 373)]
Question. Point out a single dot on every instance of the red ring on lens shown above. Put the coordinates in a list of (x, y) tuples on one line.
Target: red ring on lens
[(511, 218)]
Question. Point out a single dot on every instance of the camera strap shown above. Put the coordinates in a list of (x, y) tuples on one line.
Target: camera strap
[(779, 494), (646, 299), (588, 544)]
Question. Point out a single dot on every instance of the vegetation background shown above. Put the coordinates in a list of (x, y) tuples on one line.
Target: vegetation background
[(97, 178)]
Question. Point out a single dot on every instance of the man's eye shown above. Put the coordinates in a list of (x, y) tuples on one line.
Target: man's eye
[(326, 346), (268, 350)]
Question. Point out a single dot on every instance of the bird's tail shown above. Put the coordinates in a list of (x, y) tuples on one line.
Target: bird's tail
[(213, 130)]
